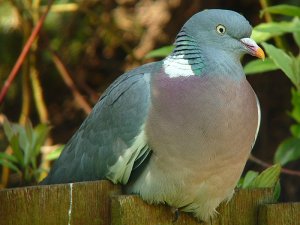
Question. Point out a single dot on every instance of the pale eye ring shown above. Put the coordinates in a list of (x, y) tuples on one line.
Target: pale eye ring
[(221, 29)]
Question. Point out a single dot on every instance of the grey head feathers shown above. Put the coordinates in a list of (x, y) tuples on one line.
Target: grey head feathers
[(202, 27), (208, 39)]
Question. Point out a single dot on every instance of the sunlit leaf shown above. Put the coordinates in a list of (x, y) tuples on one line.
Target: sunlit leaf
[(265, 31), (287, 10), (279, 27), (295, 100), (259, 36), (9, 165), (9, 19), (55, 154), (295, 130), (266, 179), (28, 130), (288, 151), (41, 132), (296, 34), (160, 52), (8, 129), (25, 142), (277, 190), (14, 144), (282, 60), (258, 66), (249, 177), (296, 69), (9, 157)]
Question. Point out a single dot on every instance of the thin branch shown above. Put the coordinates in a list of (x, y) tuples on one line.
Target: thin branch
[(38, 94), (34, 73), (265, 4), (80, 100), (5, 170), (63, 7), (23, 54), (266, 165), (26, 100)]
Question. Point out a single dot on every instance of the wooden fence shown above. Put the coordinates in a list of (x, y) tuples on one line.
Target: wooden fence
[(100, 202)]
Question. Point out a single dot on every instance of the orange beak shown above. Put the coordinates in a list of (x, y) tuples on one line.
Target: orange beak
[(252, 48), (259, 53)]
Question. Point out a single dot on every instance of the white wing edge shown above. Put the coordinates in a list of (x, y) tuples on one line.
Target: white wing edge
[(121, 170)]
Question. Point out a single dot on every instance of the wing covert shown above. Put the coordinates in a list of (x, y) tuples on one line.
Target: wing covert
[(111, 138)]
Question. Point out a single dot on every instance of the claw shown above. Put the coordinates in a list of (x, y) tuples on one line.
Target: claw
[(176, 214)]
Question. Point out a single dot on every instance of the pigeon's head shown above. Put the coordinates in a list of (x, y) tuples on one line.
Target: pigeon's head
[(224, 30)]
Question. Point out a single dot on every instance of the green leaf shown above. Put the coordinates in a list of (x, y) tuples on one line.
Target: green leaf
[(277, 28), (282, 60), (259, 36), (9, 157), (8, 129), (160, 52), (266, 179), (9, 165), (55, 154), (295, 100), (295, 130), (287, 151), (25, 142), (28, 130), (265, 31), (14, 144), (277, 190), (7, 12), (9, 161), (259, 66), (287, 10), (41, 132), (296, 34), (296, 69), (248, 179)]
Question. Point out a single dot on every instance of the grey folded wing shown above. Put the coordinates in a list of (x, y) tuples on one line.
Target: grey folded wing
[(111, 141)]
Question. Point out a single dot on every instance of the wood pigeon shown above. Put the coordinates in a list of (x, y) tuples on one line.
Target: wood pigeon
[(178, 131)]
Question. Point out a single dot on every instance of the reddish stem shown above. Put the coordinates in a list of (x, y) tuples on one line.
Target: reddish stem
[(266, 165), (23, 54)]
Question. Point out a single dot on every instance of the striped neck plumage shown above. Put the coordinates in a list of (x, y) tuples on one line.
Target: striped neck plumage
[(186, 59)]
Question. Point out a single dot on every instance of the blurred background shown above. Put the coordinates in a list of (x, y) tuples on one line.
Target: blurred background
[(84, 46)]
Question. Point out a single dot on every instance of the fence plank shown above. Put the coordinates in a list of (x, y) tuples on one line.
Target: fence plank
[(280, 214), (131, 209), (78, 203), (241, 210)]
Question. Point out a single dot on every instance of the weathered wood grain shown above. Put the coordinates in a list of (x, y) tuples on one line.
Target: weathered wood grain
[(241, 210), (243, 207), (101, 203), (279, 214), (78, 203)]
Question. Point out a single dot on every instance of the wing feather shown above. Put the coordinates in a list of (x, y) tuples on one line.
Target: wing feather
[(111, 138)]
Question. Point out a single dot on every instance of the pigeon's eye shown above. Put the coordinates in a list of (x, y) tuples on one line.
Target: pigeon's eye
[(221, 29)]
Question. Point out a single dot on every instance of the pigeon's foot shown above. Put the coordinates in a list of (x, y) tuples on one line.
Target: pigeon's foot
[(176, 213)]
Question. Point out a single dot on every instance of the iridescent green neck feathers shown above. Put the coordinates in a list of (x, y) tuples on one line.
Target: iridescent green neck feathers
[(186, 59)]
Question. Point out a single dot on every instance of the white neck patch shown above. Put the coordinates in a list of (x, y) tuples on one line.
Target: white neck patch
[(176, 66)]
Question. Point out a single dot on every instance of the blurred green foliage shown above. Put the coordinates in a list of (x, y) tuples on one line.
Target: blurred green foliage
[(280, 57), (79, 34), (269, 178), (283, 59), (26, 143)]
